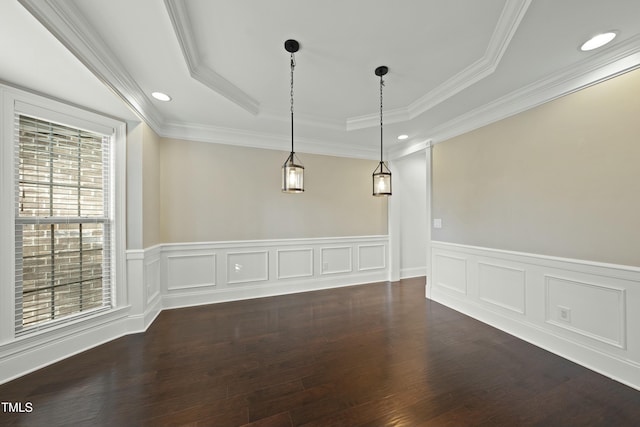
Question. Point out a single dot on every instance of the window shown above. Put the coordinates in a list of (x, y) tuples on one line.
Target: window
[(63, 223)]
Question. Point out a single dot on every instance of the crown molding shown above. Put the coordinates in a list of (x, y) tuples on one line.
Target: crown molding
[(67, 24), (304, 119), (508, 23), (506, 27), (397, 115), (243, 138), (625, 57), (177, 10), (403, 150)]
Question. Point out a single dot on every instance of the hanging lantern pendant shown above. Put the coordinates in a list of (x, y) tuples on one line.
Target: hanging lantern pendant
[(382, 174), (292, 169), (382, 180), (292, 175)]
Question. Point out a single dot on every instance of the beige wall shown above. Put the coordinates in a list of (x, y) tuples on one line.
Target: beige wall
[(150, 187), (562, 179), (214, 192)]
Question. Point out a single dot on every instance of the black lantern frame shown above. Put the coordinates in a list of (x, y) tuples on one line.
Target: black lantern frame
[(382, 180)]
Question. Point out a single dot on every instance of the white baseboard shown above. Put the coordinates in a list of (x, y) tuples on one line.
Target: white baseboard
[(137, 323), (407, 273), (583, 311), (213, 296), (30, 353)]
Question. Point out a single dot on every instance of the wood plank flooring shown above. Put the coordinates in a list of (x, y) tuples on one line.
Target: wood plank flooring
[(370, 355)]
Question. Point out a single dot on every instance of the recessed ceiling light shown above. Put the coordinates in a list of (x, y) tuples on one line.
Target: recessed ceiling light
[(161, 96), (598, 41), (402, 137)]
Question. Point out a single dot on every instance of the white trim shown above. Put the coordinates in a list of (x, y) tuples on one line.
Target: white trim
[(618, 270), (273, 283), (28, 355), (621, 293), (269, 242), (67, 24), (377, 267), (267, 141), (19, 355), (265, 266), (168, 269), (591, 71), (398, 151), (179, 16), (407, 273), (429, 216), (515, 309), (506, 27), (452, 288), (293, 276), (606, 340), (267, 290), (7, 219), (322, 258)]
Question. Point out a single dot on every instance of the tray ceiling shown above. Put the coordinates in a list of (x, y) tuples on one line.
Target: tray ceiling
[(454, 65)]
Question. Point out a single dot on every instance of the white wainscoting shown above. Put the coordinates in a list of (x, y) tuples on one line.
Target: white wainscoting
[(193, 270), (372, 257), (587, 312), (336, 260), (246, 267), (294, 263), (204, 273)]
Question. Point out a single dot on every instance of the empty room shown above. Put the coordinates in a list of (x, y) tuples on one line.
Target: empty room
[(288, 213)]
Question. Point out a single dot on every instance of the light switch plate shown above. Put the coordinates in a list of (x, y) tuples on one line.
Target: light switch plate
[(437, 223)]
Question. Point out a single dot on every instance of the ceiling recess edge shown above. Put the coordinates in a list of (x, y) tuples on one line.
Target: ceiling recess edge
[(506, 26), (177, 10)]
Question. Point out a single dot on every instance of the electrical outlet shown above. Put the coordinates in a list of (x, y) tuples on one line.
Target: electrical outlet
[(437, 223), (564, 314)]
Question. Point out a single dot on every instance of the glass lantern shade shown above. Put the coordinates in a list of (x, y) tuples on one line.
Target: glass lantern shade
[(382, 180), (292, 175)]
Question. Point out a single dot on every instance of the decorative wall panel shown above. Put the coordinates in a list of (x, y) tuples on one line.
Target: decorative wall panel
[(451, 273), (245, 267), (336, 260), (294, 263), (191, 271), (502, 286), (371, 257), (592, 310)]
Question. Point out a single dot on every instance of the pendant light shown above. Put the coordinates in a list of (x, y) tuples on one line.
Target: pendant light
[(382, 174), (292, 169)]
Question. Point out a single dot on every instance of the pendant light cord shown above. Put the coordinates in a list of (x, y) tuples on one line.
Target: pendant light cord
[(381, 85), (293, 65)]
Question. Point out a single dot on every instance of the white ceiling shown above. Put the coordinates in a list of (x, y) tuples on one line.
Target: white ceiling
[(454, 64)]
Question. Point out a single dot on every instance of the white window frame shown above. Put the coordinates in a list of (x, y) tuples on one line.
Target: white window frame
[(16, 101)]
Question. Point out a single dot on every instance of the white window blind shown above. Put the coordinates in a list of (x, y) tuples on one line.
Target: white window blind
[(63, 223)]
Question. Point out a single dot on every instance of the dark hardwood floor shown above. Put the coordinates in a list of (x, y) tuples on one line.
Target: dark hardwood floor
[(372, 355)]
